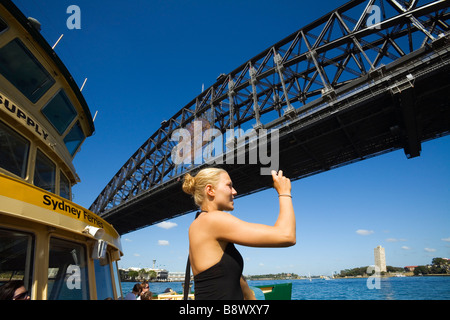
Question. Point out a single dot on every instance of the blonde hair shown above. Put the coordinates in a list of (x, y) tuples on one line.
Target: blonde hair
[(195, 186)]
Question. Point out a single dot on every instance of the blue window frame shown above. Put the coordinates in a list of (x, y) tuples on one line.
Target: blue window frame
[(74, 138), (60, 112)]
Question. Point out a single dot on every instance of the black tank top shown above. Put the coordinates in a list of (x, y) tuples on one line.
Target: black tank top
[(222, 280)]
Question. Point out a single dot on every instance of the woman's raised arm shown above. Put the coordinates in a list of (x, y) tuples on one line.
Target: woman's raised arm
[(225, 227)]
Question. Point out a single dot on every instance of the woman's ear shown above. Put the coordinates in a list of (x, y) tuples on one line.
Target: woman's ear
[(210, 190)]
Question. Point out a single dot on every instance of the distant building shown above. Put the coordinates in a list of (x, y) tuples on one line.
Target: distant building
[(380, 258), (176, 276), (161, 274), (410, 268)]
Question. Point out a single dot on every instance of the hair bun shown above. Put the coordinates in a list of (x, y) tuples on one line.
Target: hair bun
[(189, 184)]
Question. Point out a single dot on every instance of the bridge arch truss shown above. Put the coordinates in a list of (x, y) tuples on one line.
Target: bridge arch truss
[(327, 59)]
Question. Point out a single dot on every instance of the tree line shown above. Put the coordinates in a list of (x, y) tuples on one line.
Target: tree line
[(362, 271), (437, 266), (137, 275), (277, 276)]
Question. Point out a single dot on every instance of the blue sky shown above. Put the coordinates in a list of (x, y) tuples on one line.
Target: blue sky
[(145, 60)]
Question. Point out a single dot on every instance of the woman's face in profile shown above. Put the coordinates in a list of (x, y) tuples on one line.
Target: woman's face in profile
[(225, 193)]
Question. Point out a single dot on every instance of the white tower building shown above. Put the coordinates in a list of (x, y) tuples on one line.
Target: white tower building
[(380, 258)]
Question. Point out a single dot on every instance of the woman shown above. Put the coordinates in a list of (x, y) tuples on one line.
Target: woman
[(145, 287), (135, 292), (216, 264), (14, 290)]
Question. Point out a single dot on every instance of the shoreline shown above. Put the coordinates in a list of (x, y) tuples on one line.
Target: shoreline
[(352, 277), (312, 278), (395, 276)]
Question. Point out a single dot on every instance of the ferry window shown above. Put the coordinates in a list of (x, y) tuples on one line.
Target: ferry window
[(13, 151), (117, 280), (74, 138), (16, 257), (3, 26), (103, 280), (44, 172), (60, 112), (64, 186), (67, 271), (23, 70)]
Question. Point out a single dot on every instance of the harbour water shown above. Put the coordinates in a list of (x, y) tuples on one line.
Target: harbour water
[(405, 288)]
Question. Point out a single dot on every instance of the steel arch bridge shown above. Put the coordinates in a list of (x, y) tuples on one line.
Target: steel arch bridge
[(367, 78)]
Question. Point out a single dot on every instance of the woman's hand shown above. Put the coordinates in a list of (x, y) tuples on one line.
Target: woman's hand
[(246, 291), (281, 183)]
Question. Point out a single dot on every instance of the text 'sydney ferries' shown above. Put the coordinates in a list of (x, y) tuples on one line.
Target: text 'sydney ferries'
[(18, 190), (62, 206)]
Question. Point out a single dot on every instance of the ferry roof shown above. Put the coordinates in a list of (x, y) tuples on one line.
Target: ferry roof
[(28, 26)]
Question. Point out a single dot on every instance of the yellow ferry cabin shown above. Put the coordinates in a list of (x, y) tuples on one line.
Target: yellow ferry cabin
[(59, 249)]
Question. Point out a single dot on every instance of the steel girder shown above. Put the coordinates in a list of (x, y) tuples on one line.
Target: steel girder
[(282, 82)]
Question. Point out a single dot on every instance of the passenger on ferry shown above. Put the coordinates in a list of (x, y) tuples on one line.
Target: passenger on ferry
[(14, 290), (135, 292), (216, 264), (145, 288), (147, 295)]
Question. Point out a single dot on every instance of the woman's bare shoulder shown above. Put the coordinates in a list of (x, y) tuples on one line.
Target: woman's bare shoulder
[(211, 219), (208, 226)]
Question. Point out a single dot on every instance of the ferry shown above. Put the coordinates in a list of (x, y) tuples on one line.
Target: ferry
[(60, 250)]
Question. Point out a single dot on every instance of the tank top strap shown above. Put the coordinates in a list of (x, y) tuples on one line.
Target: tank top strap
[(198, 213)]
